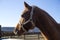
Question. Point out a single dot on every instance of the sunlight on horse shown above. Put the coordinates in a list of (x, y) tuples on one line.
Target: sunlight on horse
[(32, 17)]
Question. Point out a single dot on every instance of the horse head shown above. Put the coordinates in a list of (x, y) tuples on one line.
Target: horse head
[(26, 21)]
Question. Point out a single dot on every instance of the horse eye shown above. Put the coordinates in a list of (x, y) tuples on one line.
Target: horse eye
[(22, 15)]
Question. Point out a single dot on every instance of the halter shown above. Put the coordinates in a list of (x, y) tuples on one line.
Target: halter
[(30, 19)]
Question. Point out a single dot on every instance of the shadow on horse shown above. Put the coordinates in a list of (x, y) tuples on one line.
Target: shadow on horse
[(34, 16)]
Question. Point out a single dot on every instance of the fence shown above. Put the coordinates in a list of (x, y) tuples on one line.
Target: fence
[(26, 36)]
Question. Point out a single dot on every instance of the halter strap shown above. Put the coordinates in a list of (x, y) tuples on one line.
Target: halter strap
[(30, 20)]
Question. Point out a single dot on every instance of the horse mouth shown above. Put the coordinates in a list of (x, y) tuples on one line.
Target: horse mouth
[(15, 33)]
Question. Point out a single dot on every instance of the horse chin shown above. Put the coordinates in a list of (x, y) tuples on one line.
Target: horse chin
[(32, 27), (20, 33)]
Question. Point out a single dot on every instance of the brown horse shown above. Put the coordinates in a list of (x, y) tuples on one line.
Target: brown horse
[(36, 17)]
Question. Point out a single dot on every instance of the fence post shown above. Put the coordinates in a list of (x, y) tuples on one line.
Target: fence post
[(0, 31), (38, 36), (24, 36)]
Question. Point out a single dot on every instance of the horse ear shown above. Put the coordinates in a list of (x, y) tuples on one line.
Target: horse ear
[(27, 6)]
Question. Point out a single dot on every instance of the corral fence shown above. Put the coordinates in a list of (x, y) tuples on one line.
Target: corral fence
[(29, 36), (26, 36)]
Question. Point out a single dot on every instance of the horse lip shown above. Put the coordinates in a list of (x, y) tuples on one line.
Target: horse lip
[(15, 32)]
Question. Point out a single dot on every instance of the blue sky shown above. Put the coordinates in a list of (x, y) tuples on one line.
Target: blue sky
[(10, 10)]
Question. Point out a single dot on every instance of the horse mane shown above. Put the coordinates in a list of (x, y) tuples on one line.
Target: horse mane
[(47, 15)]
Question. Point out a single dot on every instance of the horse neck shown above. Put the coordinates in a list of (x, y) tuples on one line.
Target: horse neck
[(47, 25)]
